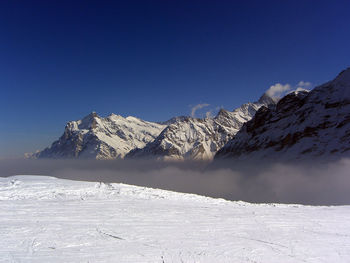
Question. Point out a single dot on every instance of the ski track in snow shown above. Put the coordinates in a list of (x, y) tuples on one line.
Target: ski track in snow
[(44, 219)]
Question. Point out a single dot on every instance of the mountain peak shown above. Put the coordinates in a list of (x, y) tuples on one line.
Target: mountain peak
[(343, 77), (267, 100), (101, 138), (222, 112), (89, 121), (173, 120), (303, 125), (91, 115)]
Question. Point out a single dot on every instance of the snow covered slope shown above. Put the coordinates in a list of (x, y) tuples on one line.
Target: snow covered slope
[(102, 138), (192, 138), (302, 125), (44, 219), (184, 137)]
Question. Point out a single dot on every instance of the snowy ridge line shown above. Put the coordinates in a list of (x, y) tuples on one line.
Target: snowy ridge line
[(20, 187), (189, 138), (95, 137), (301, 126), (115, 137), (38, 187)]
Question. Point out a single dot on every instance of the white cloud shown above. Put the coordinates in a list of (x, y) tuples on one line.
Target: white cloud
[(197, 107), (275, 91), (303, 84)]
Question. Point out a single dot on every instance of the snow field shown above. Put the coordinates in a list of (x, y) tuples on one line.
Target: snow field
[(44, 219)]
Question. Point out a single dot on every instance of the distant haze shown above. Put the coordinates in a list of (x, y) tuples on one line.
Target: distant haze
[(317, 184)]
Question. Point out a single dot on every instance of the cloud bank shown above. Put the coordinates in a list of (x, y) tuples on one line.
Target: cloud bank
[(309, 183)]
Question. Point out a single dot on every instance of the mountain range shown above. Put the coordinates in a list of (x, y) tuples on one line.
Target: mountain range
[(302, 123), (199, 139)]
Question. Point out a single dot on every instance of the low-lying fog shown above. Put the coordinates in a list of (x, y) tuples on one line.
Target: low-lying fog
[(312, 183)]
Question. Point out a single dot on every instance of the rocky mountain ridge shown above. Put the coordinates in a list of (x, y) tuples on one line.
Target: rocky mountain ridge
[(178, 138), (301, 125), (199, 139), (102, 138)]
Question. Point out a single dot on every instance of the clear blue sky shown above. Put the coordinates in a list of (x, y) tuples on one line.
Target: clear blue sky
[(60, 60)]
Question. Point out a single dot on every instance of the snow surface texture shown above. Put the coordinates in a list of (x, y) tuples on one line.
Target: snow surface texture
[(102, 138), (199, 139), (44, 219), (303, 124)]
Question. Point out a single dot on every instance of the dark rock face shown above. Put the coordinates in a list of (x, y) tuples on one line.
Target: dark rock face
[(301, 124), (69, 145)]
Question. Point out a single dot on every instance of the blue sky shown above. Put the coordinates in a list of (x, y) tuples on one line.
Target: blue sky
[(60, 60)]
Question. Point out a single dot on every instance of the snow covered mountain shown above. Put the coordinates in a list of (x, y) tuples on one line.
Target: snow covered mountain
[(302, 124), (102, 138), (192, 138), (173, 120)]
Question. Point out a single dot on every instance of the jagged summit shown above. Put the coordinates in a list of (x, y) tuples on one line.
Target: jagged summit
[(343, 77), (335, 91), (302, 125), (267, 100), (222, 113), (117, 116), (88, 122), (181, 137), (174, 119), (192, 138), (90, 116), (102, 138)]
